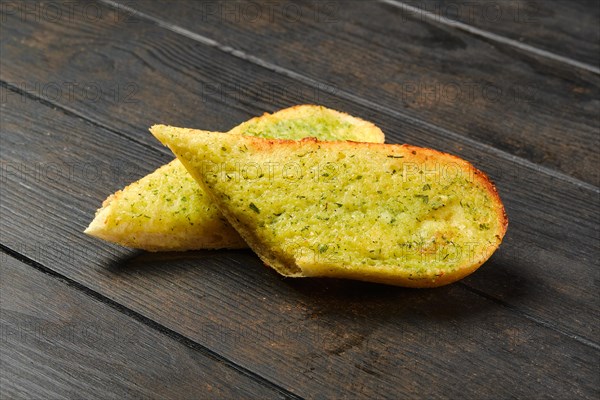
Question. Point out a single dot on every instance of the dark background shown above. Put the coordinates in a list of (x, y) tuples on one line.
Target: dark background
[(512, 86)]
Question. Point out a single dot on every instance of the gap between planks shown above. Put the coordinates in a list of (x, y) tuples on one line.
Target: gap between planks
[(150, 323), (76, 114), (491, 36), (532, 318), (352, 97)]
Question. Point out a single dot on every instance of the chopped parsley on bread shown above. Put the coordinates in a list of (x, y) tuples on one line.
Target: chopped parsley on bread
[(387, 213)]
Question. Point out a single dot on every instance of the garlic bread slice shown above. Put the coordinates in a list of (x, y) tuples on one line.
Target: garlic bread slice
[(310, 121), (386, 213), (167, 210)]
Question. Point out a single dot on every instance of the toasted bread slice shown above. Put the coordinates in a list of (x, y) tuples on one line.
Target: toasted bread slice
[(393, 214), (167, 210)]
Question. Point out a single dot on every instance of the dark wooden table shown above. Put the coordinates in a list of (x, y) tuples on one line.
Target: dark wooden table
[(512, 86)]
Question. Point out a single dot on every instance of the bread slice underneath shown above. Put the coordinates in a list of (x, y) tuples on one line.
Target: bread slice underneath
[(168, 211), (394, 214)]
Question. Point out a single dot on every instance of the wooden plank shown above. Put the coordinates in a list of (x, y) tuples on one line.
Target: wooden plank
[(172, 74), (58, 342), (563, 27), (530, 106), (316, 338)]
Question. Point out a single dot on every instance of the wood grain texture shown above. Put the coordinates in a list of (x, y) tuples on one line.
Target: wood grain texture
[(524, 325), (316, 338), (58, 343), (201, 78), (538, 109), (564, 27), (172, 75)]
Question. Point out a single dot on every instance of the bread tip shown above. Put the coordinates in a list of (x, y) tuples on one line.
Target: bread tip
[(159, 132)]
